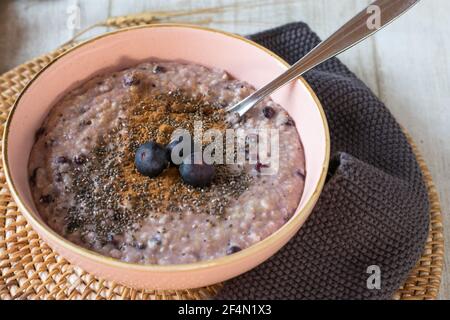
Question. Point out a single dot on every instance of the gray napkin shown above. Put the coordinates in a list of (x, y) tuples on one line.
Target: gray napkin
[(373, 210)]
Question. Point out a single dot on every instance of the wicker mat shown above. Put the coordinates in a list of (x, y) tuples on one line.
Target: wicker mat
[(29, 269)]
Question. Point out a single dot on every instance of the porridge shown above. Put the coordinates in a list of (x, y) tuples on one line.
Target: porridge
[(87, 187)]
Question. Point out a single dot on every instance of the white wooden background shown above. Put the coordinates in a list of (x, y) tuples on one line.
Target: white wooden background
[(406, 65)]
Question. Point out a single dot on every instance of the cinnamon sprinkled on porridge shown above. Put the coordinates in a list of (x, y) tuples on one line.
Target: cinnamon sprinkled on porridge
[(85, 184)]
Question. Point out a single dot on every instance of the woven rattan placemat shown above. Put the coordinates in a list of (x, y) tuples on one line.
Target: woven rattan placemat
[(29, 269)]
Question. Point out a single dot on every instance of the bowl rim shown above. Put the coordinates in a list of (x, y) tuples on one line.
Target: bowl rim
[(115, 263)]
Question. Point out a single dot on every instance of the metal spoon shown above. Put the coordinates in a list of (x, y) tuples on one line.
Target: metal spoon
[(357, 29)]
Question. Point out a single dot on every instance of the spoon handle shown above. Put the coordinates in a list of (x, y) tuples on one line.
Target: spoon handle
[(376, 16)]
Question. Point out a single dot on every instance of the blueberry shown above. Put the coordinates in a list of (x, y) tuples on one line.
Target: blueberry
[(46, 199), (62, 159), (59, 177), (268, 112), (33, 176), (85, 123), (80, 159), (39, 132), (196, 174), (259, 165), (289, 122), (139, 245), (151, 159), (131, 79), (175, 142), (156, 240), (158, 69), (300, 174), (233, 249)]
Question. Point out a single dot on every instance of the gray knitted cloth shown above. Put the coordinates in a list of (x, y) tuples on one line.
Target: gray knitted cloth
[(373, 209)]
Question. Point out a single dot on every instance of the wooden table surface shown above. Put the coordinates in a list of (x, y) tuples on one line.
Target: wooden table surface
[(406, 65)]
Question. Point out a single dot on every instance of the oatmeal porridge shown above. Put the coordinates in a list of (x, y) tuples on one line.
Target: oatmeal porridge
[(86, 186)]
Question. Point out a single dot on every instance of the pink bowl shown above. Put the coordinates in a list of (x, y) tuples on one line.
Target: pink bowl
[(243, 59)]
